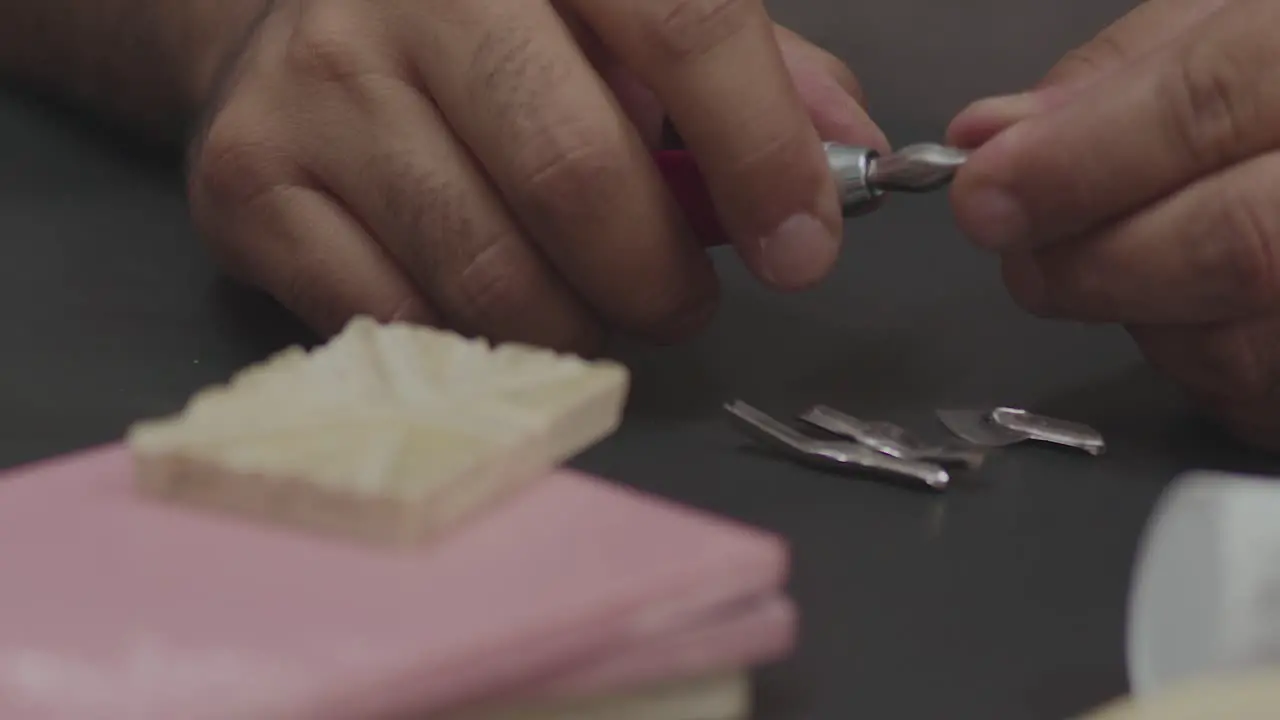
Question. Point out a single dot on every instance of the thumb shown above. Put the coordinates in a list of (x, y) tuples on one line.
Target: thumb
[(1147, 28)]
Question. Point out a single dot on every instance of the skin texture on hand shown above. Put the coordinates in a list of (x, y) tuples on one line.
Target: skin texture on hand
[(485, 165), (1140, 184)]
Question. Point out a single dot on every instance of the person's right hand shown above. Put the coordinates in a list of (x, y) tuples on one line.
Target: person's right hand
[(485, 165)]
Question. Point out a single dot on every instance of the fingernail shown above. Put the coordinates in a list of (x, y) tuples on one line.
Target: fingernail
[(980, 122), (799, 252), (993, 218), (1007, 107)]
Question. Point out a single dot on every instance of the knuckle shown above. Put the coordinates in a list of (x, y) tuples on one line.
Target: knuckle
[(781, 146), (327, 44), (567, 173), (500, 292), (237, 167), (783, 169), (493, 285), (524, 85), (1088, 59), (238, 161), (683, 29), (674, 314), (509, 65), (1243, 361), (1207, 102), (413, 194), (1250, 231)]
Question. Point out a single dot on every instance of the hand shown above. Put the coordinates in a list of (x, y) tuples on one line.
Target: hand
[(484, 164), (1140, 184)]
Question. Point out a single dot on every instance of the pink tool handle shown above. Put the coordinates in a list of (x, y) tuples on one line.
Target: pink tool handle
[(689, 188)]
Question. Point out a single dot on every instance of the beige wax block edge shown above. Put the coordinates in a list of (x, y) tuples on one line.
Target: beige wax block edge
[(388, 433), (1249, 696), (723, 696)]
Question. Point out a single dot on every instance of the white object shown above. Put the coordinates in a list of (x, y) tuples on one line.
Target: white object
[(388, 433), (1248, 696), (1205, 598), (725, 696)]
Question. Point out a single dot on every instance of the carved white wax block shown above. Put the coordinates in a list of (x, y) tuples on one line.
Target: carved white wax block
[(723, 696), (387, 432)]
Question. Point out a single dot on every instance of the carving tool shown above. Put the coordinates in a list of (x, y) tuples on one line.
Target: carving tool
[(861, 175)]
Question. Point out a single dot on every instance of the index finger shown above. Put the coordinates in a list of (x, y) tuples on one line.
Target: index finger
[(1198, 106), (1145, 29), (716, 67)]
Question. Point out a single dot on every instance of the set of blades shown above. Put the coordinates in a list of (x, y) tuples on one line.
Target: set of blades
[(887, 449), (862, 176)]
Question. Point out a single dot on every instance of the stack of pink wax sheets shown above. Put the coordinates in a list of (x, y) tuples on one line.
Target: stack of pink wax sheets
[(575, 598)]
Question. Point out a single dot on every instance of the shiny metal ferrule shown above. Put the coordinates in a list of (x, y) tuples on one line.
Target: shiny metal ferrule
[(851, 169)]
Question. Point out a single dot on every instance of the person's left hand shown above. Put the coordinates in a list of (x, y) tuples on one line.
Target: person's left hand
[(1140, 184)]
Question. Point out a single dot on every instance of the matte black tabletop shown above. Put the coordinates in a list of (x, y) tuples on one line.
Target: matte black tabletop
[(1002, 599)]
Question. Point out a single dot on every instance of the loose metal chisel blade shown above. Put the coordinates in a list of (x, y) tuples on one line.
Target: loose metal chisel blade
[(919, 168), (1006, 426), (839, 454), (892, 439)]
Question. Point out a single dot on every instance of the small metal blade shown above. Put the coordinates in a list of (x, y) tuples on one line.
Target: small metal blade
[(975, 426), (891, 439), (918, 168), (1006, 426), (1050, 430), (769, 431), (832, 453)]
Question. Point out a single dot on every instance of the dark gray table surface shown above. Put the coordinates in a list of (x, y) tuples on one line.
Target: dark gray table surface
[(1002, 599)]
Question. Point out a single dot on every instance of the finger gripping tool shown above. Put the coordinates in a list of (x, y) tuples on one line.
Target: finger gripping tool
[(862, 176)]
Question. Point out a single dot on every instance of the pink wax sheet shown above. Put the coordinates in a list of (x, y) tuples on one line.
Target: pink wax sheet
[(116, 606), (758, 631)]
